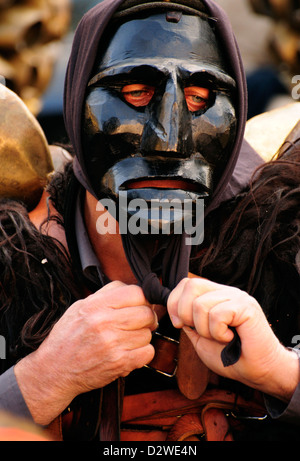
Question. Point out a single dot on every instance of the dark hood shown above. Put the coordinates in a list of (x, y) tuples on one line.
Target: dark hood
[(81, 63), (174, 256)]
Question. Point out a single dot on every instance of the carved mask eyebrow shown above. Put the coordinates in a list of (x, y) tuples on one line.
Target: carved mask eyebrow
[(132, 72), (154, 74)]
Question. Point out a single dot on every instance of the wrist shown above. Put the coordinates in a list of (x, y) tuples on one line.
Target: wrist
[(284, 379), (39, 386)]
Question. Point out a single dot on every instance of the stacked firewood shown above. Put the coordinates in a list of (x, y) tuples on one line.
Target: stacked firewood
[(30, 39), (285, 37)]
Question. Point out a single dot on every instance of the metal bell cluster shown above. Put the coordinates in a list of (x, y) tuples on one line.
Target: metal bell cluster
[(25, 158), (30, 35)]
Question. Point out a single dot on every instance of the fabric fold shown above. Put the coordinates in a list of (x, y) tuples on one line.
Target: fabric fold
[(159, 265)]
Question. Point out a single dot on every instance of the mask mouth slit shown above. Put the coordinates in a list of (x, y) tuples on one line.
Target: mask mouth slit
[(164, 183)]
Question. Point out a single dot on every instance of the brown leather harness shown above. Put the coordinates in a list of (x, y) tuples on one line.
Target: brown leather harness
[(170, 416), (190, 413)]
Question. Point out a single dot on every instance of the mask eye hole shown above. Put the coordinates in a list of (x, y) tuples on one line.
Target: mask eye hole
[(196, 97), (138, 94)]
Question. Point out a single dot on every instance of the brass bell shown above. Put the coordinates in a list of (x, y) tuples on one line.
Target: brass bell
[(25, 159)]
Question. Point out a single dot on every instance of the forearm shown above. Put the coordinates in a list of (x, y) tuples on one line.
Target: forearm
[(282, 381), (289, 412), (44, 399)]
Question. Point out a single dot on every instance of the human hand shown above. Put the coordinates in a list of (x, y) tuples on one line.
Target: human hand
[(97, 340), (206, 310)]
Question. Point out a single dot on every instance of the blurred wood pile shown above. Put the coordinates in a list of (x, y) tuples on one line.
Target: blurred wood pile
[(30, 35), (285, 37)]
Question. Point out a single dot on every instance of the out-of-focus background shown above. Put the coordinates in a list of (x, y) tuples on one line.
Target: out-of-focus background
[(36, 36), (268, 33), (35, 43)]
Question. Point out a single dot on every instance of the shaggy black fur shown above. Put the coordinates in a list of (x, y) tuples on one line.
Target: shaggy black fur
[(36, 285), (252, 242)]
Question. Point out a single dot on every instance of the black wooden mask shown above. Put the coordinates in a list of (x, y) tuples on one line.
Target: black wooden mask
[(160, 119)]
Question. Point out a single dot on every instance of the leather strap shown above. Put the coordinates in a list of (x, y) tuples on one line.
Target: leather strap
[(211, 424), (187, 428), (166, 355), (215, 425), (192, 375), (163, 415), (111, 409), (54, 429)]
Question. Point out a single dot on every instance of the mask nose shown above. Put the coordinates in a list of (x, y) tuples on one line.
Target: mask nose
[(168, 129)]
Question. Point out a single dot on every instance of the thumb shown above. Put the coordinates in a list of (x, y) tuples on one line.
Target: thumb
[(192, 335)]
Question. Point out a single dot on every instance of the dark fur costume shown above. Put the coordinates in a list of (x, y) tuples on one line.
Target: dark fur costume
[(36, 284), (253, 242)]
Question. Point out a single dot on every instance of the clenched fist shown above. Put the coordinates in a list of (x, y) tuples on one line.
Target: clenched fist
[(97, 340), (206, 310)]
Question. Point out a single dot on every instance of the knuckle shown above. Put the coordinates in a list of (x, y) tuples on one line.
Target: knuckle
[(136, 291), (147, 316), (191, 284), (214, 314), (199, 307), (109, 342)]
